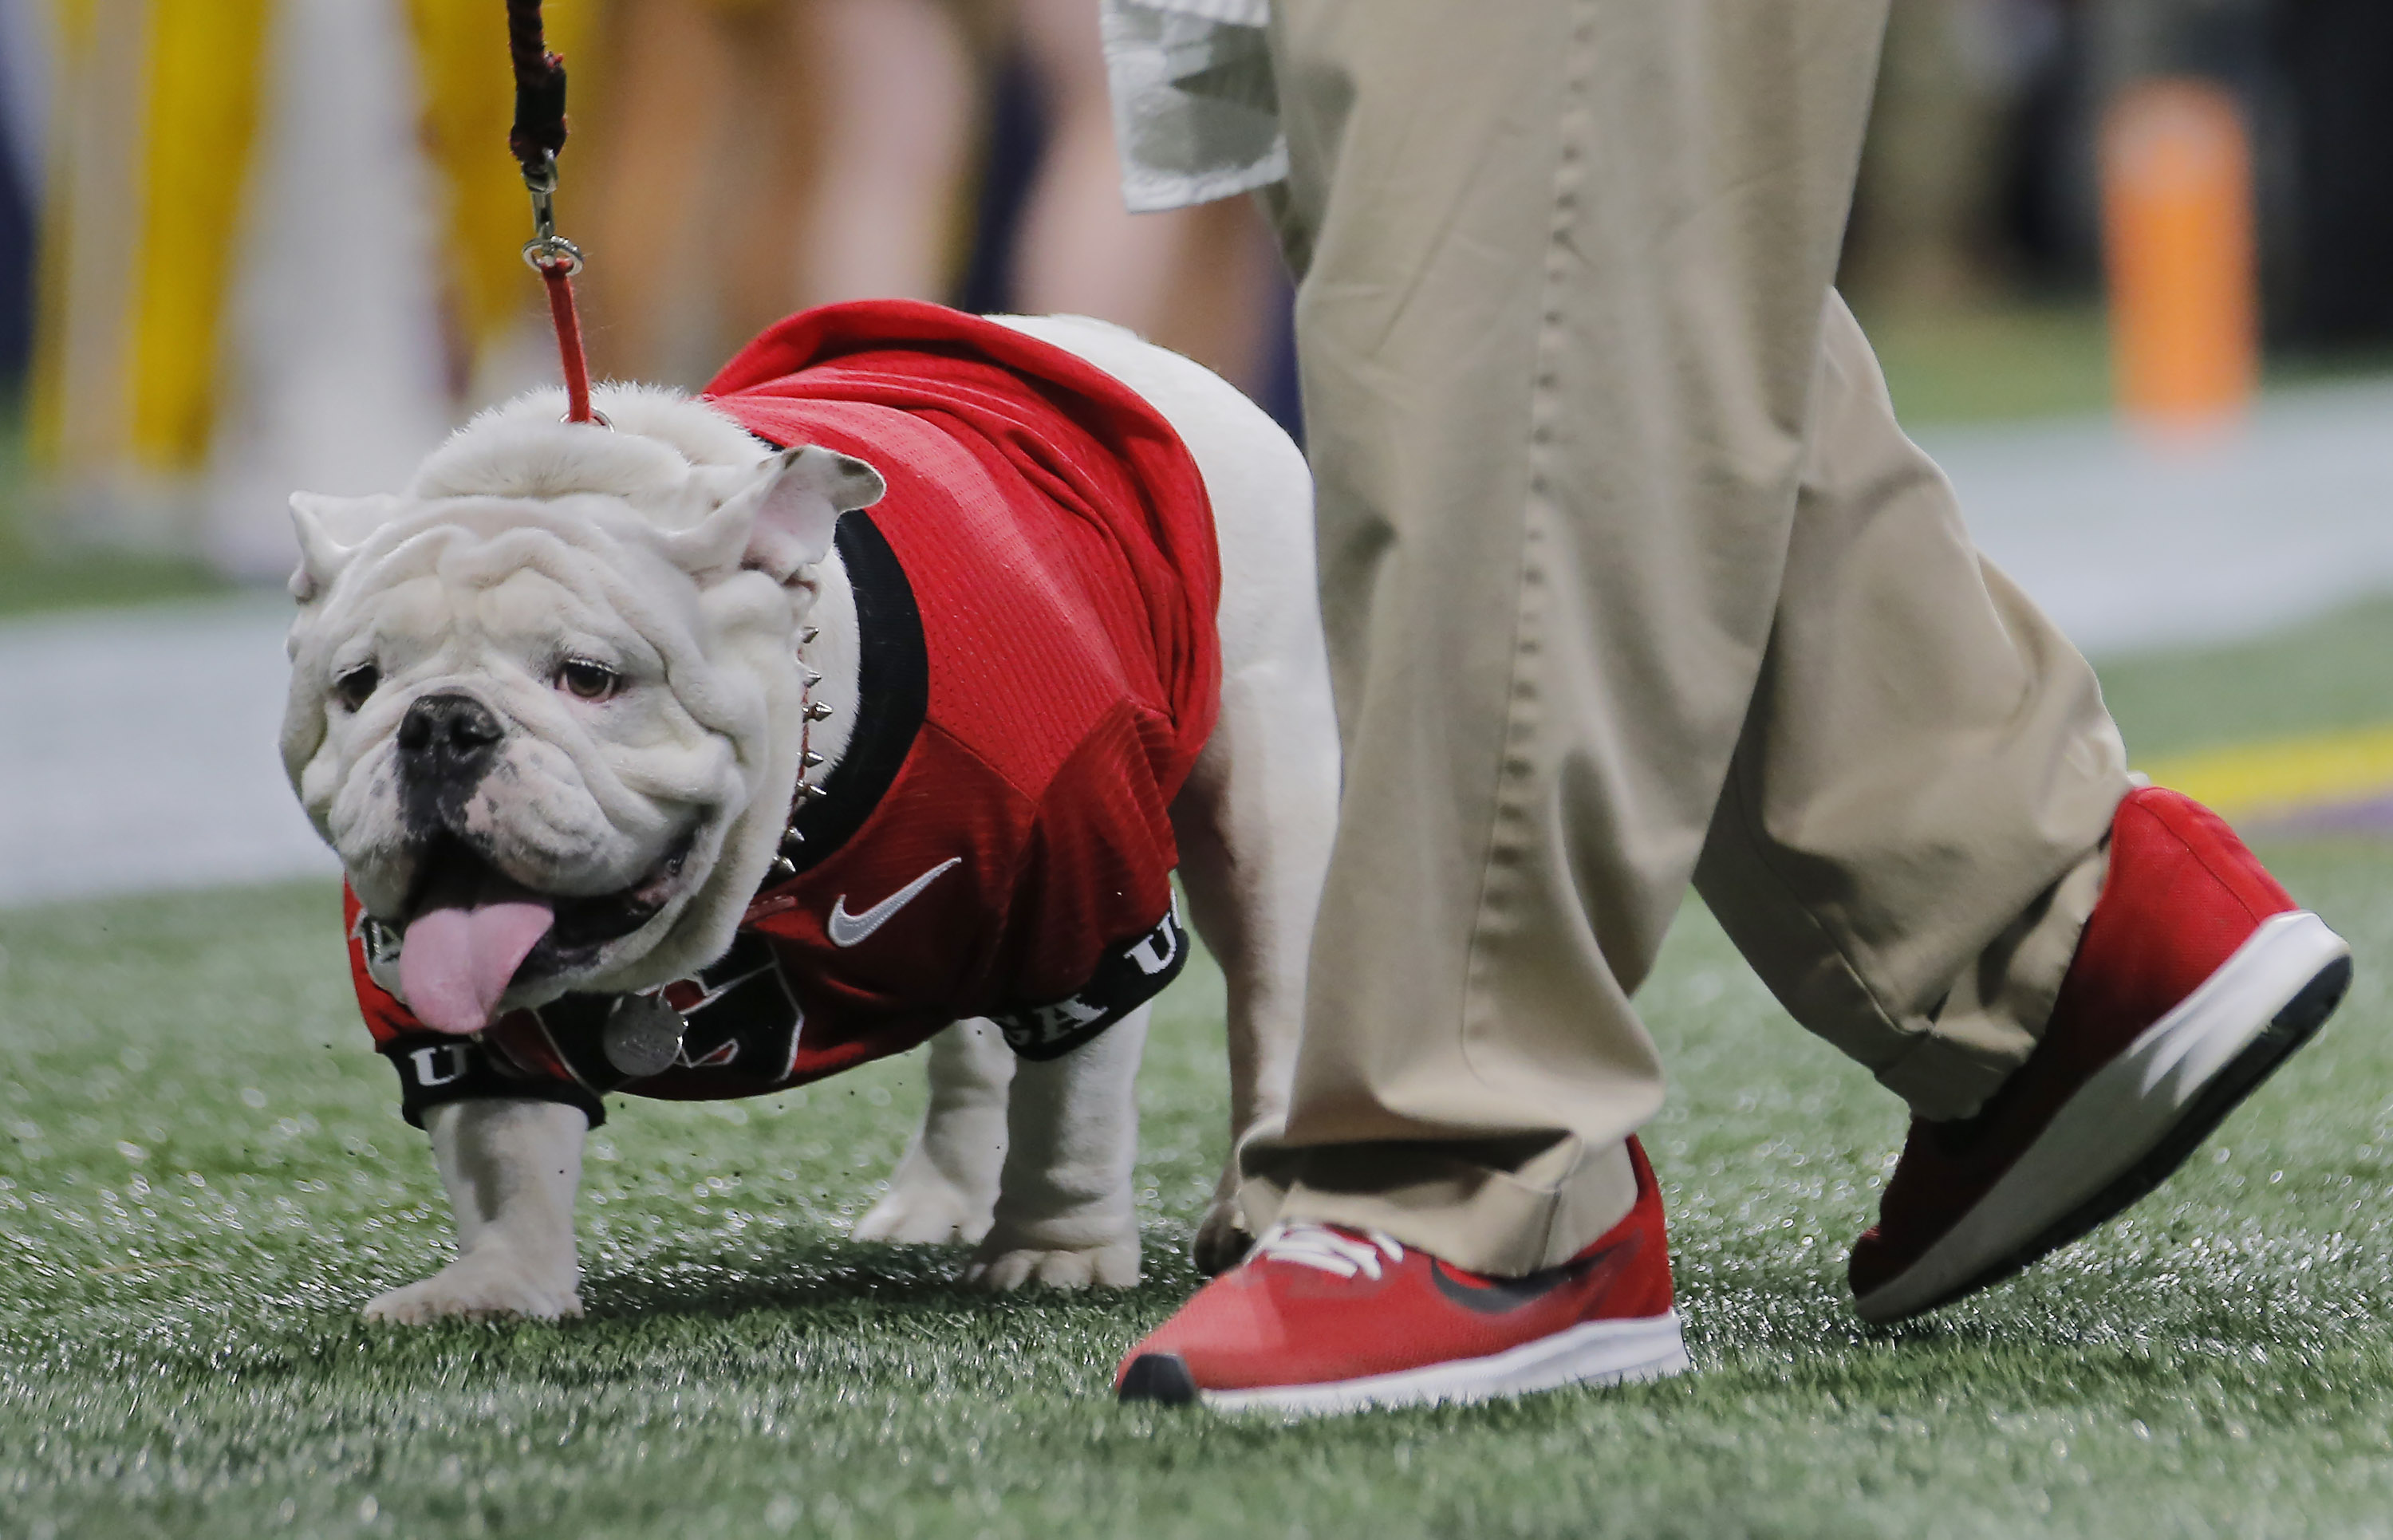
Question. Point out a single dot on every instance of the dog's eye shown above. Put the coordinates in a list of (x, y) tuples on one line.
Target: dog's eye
[(587, 681), (352, 687)]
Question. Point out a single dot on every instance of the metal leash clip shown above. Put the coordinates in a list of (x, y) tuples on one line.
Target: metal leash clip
[(534, 139), (547, 251)]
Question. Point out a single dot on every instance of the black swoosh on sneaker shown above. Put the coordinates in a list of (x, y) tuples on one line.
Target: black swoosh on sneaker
[(1503, 1295)]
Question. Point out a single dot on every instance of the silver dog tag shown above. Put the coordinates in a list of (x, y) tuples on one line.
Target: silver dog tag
[(643, 1035)]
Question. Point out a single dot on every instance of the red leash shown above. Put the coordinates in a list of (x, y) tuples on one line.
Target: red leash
[(537, 136), (558, 276)]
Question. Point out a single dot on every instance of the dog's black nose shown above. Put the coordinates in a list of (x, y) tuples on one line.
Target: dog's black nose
[(448, 737)]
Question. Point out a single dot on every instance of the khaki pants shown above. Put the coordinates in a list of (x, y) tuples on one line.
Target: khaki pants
[(1631, 580)]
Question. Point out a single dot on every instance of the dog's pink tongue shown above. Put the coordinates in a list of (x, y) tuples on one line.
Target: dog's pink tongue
[(456, 960)]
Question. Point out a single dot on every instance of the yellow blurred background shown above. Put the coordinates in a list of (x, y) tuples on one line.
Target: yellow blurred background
[(247, 245)]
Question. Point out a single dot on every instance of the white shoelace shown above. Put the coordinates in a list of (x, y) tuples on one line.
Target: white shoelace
[(1320, 1246)]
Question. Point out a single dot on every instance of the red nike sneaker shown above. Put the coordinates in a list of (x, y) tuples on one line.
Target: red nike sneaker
[(2196, 976), (1321, 1318)]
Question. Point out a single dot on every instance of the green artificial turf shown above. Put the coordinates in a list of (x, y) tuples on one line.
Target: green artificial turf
[(2327, 674), (32, 583), (2013, 359), (39, 571), (202, 1175), (1999, 363)]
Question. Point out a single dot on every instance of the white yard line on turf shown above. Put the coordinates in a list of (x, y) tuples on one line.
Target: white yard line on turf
[(137, 750), (138, 747), (2132, 543)]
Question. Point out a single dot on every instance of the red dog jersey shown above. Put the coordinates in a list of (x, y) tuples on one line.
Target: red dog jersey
[(1039, 668)]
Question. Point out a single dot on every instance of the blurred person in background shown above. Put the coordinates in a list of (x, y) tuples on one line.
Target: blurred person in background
[(24, 106), (769, 155), (276, 241), (1929, 201), (278, 249)]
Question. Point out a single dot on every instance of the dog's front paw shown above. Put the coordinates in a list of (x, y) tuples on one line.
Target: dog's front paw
[(484, 1286), (1001, 1268), (923, 1209), (1222, 1239)]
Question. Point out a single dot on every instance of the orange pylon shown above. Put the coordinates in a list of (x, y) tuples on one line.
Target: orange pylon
[(2177, 244)]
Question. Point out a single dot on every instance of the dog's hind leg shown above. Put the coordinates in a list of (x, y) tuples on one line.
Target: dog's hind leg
[(1255, 819), (945, 1186), (1065, 1217), (1253, 826), (511, 1168)]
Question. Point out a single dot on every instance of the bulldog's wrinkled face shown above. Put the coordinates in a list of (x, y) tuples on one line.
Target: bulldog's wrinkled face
[(535, 701)]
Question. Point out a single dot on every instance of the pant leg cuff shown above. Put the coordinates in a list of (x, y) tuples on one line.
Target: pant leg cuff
[(1941, 1079), (1501, 1223)]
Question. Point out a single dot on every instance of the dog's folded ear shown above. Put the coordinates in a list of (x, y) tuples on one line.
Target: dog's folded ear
[(330, 531), (780, 518)]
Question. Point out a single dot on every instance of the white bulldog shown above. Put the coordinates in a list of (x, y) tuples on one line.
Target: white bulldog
[(547, 708)]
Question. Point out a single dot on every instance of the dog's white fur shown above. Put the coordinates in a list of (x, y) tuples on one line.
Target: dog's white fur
[(692, 552), (677, 549)]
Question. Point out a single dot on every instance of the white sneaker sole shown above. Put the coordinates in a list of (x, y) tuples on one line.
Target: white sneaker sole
[(1598, 1352), (2138, 1116)]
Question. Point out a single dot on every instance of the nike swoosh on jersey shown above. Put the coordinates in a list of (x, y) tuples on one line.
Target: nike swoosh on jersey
[(849, 930)]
